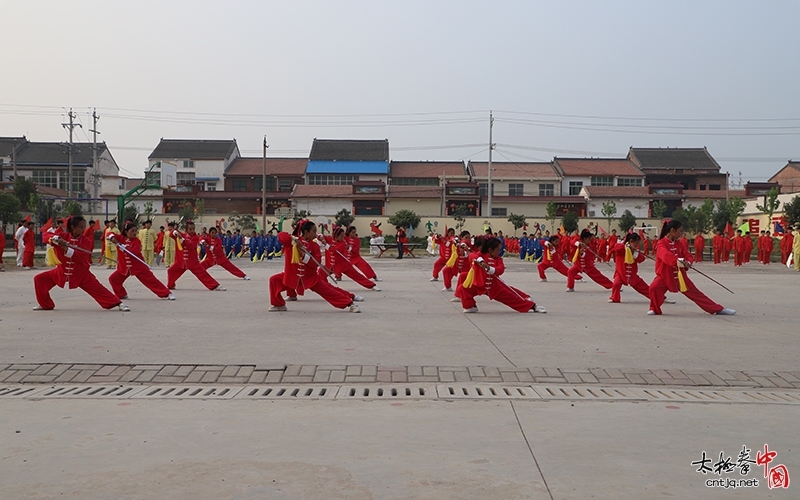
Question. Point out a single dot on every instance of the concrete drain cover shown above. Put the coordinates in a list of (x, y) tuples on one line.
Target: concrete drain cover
[(691, 395), (186, 392), (560, 392), (288, 392), (88, 392), (18, 392), (386, 392), (773, 397), (464, 391)]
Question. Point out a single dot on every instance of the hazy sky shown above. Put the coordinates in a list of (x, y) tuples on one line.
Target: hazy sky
[(566, 78)]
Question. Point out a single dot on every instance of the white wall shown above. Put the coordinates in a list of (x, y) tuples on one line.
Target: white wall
[(596, 205), (322, 206), (566, 180)]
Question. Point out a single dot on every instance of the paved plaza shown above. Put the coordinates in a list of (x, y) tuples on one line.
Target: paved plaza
[(609, 402)]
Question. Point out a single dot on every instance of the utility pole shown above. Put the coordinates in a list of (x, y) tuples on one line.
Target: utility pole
[(444, 192), (264, 189), (71, 125), (489, 186), (14, 159), (95, 173)]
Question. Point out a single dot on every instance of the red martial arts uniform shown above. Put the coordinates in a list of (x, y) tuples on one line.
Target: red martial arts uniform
[(489, 283), (215, 254), (303, 276), (667, 278), (628, 274), (585, 263), (612, 244), (699, 245), (602, 247), (159, 244), (727, 246), (786, 247), (186, 258), (461, 264), (354, 254), (74, 271), (27, 255), (717, 245), (738, 245), (748, 248), (128, 266), (769, 246), (445, 246), (337, 261), (89, 233), (2, 245), (551, 258), (646, 246)]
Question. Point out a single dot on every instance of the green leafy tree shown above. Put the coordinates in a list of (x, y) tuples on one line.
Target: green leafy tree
[(517, 221), (343, 218), (659, 207), (300, 215), (9, 210), (570, 221), (73, 208), (727, 212), (609, 210), (627, 221), (199, 209), (551, 213), (405, 219), (245, 222), (149, 210), (771, 204), (130, 213), (23, 189), (48, 209), (791, 211), (704, 216)]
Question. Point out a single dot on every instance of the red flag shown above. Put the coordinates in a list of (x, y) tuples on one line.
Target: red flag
[(47, 225), (97, 225), (729, 230), (28, 218)]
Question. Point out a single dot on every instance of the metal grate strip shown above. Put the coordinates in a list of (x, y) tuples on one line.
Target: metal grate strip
[(19, 391), (394, 391), (288, 392), (88, 392), (186, 392), (772, 397), (582, 393), (463, 391)]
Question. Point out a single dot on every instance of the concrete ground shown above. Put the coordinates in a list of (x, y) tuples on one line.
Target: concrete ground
[(438, 448)]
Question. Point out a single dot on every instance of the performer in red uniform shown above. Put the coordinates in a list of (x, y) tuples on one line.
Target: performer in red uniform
[(336, 260), (73, 269), (786, 246), (727, 246), (551, 258), (699, 245), (602, 246), (769, 246), (186, 258), (461, 246), (612, 244), (487, 266), (215, 255), (445, 247), (30, 247), (748, 247), (717, 246), (672, 263), (301, 275), (354, 254), (737, 244), (646, 245), (583, 261), (627, 270), (128, 266)]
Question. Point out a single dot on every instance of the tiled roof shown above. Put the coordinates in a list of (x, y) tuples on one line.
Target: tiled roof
[(427, 169), (696, 194), (617, 192), (194, 149), (791, 166), (415, 192), (54, 192), (673, 158), (587, 167), (514, 170), (7, 144), (275, 166), (309, 191), (354, 150), (55, 153)]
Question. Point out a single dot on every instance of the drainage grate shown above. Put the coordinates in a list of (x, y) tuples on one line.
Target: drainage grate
[(773, 397), (386, 392), (88, 391), (486, 392), (288, 392), (560, 392), (691, 395), (18, 392), (186, 392)]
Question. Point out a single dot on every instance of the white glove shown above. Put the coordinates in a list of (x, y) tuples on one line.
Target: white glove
[(124, 247), (635, 254), (175, 233), (577, 243), (69, 253)]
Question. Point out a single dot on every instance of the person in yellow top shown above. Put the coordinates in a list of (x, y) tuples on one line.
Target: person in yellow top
[(147, 236), (111, 248), (169, 246), (796, 248)]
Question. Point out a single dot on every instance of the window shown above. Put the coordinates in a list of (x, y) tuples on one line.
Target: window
[(413, 181), (603, 180), (547, 189), (239, 185), (515, 190), (185, 179), (211, 211), (369, 189), (499, 212), (628, 181), (270, 183), (152, 179), (78, 181), (286, 185), (483, 189), (331, 180), (188, 163), (45, 178), (211, 186), (702, 187), (575, 187), (715, 187), (368, 207)]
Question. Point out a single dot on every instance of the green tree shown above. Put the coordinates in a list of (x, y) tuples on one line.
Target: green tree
[(199, 209), (149, 210), (727, 212), (48, 209), (405, 219), (704, 216), (771, 204), (343, 218), (659, 207), (609, 210), (9, 210), (570, 221), (627, 221), (130, 213), (245, 222), (459, 214), (791, 211), (72, 207), (300, 215), (23, 189), (187, 211), (552, 213), (517, 221)]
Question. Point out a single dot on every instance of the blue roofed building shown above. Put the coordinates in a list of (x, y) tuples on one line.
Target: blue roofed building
[(343, 162)]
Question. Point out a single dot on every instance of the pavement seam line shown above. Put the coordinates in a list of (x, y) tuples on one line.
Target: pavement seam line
[(541, 474)]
